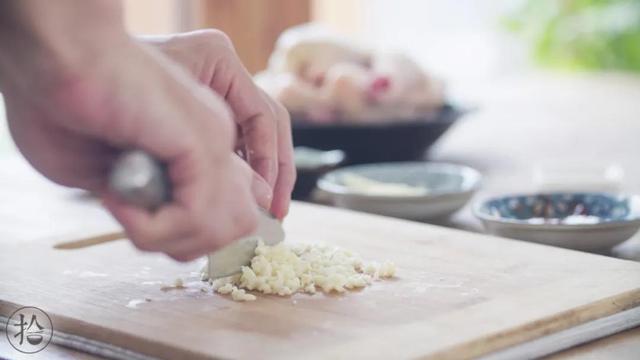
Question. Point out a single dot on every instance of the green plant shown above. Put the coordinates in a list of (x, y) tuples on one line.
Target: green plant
[(581, 34)]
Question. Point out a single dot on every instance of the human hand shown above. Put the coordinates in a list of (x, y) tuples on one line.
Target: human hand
[(264, 127), (71, 115)]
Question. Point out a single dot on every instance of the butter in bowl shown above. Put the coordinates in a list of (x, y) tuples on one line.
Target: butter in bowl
[(409, 190), (586, 221)]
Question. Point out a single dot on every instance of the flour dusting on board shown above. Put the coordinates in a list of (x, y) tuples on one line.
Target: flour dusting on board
[(285, 270)]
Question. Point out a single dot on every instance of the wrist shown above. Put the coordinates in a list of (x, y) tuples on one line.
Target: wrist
[(42, 38)]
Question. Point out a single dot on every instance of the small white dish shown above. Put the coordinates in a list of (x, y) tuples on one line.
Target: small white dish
[(409, 190), (586, 221)]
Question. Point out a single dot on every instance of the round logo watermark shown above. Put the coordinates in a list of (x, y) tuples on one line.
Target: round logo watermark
[(29, 330)]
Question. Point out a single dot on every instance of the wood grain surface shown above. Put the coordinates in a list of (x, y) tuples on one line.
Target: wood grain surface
[(457, 294)]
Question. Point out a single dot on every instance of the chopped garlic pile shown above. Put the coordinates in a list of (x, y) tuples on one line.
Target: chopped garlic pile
[(285, 270)]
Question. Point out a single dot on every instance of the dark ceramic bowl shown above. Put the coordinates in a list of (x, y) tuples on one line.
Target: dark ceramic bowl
[(380, 142)]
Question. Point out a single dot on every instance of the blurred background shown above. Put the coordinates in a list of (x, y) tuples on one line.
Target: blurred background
[(467, 42)]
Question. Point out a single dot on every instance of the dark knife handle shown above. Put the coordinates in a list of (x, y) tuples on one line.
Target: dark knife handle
[(139, 179)]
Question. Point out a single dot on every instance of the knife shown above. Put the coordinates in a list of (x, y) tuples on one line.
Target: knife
[(140, 180)]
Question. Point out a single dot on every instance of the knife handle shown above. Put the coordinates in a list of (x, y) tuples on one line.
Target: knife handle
[(140, 180)]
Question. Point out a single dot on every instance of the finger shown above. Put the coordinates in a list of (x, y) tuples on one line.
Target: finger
[(282, 194), (261, 146), (150, 231), (286, 164), (243, 216), (186, 256), (255, 117), (261, 190), (189, 249)]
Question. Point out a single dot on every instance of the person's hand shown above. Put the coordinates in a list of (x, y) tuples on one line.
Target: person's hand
[(264, 129), (71, 111)]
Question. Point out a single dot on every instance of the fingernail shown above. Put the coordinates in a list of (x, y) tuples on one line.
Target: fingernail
[(281, 211)]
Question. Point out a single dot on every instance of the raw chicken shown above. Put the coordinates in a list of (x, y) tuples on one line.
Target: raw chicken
[(322, 78)]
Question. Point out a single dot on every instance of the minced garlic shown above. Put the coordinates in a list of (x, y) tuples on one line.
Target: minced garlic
[(284, 270), (241, 295)]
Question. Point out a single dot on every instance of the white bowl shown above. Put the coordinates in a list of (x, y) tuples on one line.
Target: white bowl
[(436, 189), (586, 221)]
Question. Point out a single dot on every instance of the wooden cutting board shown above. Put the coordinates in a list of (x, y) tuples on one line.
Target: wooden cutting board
[(457, 294)]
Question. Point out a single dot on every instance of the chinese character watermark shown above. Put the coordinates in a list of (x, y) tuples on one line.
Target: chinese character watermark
[(29, 330)]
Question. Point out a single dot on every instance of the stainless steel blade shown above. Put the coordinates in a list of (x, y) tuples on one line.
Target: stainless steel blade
[(230, 259)]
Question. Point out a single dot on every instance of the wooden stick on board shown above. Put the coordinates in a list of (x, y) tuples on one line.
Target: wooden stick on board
[(90, 241)]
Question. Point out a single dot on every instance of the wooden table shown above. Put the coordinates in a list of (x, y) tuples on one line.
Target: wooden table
[(519, 123)]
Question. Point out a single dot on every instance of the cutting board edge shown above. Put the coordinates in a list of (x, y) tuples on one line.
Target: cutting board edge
[(543, 327), (85, 339), (566, 339)]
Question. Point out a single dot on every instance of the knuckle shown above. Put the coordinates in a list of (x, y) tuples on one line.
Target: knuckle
[(142, 239), (218, 37)]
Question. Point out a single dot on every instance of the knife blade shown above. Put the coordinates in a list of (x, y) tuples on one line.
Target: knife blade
[(141, 180), (231, 258)]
